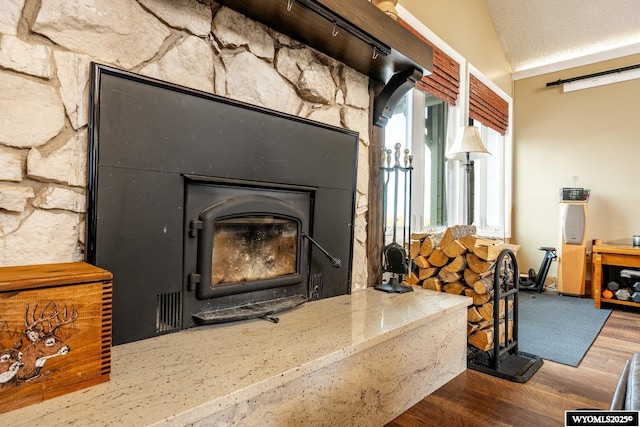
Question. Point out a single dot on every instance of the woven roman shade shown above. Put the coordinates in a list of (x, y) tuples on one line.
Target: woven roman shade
[(486, 106), (444, 81)]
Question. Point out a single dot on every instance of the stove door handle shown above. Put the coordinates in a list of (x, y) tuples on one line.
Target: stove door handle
[(335, 262)]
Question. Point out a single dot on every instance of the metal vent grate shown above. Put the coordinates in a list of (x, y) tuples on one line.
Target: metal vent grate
[(168, 312)]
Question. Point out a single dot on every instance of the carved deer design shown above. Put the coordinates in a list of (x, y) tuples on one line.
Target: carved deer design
[(10, 362), (40, 330)]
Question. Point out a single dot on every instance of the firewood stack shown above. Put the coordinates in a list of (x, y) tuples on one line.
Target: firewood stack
[(459, 262)]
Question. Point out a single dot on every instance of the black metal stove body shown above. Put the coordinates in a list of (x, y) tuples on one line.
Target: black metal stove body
[(243, 246), (168, 166)]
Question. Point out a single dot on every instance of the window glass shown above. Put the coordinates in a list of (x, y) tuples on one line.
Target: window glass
[(396, 133), (493, 213), (489, 188), (419, 123), (435, 120)]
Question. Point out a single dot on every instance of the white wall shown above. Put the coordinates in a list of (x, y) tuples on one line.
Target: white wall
[(588, 138)]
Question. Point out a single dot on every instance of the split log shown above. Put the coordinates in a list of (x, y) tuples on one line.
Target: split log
[(472, 327), (478, 299), (487, 248), (486, 310), (432, 283), (457, 264), (473, 315), (429, 243), (418, 236), (414, 248), (478, 265), (449, 277), (456, 232), (454, 249), (483, 338), (484, 285), (455, 288), (421, 261), (425, 273), (470, 276), (490, 253), (411, 279), (438, 258), (471, 242)]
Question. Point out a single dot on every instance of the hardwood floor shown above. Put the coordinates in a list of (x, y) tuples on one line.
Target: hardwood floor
[(476, 399)]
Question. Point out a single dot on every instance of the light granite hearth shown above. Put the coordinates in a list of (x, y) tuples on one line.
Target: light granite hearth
[(359, 359)]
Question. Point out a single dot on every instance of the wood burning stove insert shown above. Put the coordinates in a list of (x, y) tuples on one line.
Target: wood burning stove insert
[(200, 205), (244, 253)]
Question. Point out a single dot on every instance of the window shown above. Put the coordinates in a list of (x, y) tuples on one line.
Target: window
[(489, 109), (427, 125), (419, 123), (491, 193)]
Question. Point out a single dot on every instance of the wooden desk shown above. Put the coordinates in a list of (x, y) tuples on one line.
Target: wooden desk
[(610, 254)]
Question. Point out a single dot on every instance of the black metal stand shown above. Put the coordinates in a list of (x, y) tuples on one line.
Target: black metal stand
[(467, 171), (535, 281), (393, 286), (395, 260), (504, 360)]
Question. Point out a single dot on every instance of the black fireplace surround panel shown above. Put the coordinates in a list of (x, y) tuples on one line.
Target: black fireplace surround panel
[(152, 143)]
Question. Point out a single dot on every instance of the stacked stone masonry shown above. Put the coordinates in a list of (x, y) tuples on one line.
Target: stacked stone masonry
[(46, 48)]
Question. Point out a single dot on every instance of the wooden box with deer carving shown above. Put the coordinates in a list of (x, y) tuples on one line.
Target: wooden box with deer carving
[(55, 331)]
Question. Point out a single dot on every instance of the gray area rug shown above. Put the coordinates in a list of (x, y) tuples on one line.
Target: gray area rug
[(559, 328)]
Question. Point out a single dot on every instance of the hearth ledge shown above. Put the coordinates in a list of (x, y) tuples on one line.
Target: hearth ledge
[(342, 360)]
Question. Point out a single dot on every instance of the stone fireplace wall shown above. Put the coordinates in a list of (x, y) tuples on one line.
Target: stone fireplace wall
[(46, 47)]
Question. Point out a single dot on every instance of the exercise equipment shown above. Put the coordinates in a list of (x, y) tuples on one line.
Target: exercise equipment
[(535, 281)]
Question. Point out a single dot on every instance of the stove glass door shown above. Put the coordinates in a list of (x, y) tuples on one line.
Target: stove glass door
[(250, 248)]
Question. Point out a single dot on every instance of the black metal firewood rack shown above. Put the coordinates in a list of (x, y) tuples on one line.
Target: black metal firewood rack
[(504, 360)]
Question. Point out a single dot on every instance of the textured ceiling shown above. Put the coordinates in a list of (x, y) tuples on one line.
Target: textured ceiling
[(536, 33)]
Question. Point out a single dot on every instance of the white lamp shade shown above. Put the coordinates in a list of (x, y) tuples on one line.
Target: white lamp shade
[(467, 141)]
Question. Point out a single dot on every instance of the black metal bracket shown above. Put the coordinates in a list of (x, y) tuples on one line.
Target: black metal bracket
[(194, 280), (393, 91), (194, 226)]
